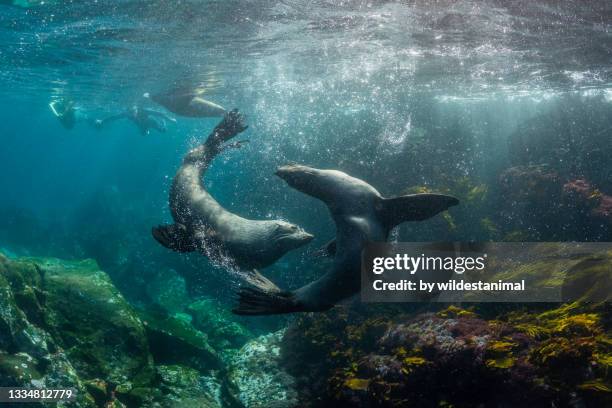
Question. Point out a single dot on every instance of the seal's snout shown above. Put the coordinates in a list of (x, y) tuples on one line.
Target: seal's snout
[(452, 201), (294, 173), (287, 170), (288, 173), (305, 236)]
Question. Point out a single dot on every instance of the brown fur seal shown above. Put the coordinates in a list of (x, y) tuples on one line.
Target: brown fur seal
[(361, 215), (201, 223)]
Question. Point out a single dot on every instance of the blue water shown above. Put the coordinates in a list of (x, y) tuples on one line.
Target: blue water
[(401, 94)]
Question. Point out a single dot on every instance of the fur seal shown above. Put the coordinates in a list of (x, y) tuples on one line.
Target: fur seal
[(361, 215), (187, 102), (202, 224)]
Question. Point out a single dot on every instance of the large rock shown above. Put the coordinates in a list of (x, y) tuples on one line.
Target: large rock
[(176, 341), (29, 355), (96, 326), (259, 377), (66, 325), (214, 319), (180, 350), (184, 387)]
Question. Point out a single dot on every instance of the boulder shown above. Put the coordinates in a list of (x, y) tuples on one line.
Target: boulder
[(259, 378), (184, 387), (214, 319), (176, 341)]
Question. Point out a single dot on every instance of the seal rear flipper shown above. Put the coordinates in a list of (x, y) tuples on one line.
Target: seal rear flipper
[(414, 207), (263, 297), (175, 237)]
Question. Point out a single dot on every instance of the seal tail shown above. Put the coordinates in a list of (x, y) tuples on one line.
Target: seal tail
[(263, 297), (414, 207)]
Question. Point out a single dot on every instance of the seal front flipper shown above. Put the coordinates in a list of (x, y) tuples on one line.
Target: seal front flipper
[(231, 125), (414, 207), (175, 237)]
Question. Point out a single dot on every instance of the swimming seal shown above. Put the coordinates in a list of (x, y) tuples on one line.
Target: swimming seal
[(202, 224), (187, 102), (361, 215)]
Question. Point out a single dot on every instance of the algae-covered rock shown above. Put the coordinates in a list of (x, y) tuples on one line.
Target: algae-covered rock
[(16, 332), (64, 324), (29, 355), (259, 377), (99, 330), (184, 387), (176, 341), (67, 324), (212, 318), (453, 358)]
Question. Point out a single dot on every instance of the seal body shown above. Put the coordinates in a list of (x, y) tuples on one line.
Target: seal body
[(361, 215), (189, 104), (202, 224)]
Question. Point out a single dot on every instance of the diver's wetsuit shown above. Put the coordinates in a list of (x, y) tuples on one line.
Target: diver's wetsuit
[(145, 119), (67, 112)]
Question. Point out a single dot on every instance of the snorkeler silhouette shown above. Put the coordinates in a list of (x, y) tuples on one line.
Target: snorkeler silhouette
[(145, 119), (68, 113)]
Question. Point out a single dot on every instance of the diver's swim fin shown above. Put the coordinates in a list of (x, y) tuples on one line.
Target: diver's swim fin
[(263, 297), (175, 237), (414, 207), (54, 109)]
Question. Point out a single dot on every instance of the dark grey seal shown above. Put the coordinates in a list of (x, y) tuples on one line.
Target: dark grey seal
[(185, 101), (202, 224), (361, 215)]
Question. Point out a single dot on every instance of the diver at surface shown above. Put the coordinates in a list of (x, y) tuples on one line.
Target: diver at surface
[(68, 113), (202, 224), (145, 119)]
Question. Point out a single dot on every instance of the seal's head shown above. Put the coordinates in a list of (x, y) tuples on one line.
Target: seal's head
[(287, 236), (337, 189)]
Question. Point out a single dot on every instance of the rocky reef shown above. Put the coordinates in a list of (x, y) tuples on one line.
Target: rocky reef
[(64, 324), (453, 358), (258, 374)]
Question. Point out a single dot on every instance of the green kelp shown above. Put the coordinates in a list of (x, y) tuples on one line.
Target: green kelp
[(453, 358)]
